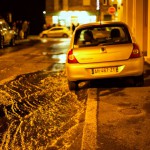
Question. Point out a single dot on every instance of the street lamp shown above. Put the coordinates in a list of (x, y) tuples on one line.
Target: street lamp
[(44, 12), (97, 4)]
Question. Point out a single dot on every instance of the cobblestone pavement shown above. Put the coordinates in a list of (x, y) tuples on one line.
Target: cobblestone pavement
[(39, 112)]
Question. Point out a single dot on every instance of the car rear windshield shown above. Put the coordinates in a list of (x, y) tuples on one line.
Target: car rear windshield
[(102, 35)]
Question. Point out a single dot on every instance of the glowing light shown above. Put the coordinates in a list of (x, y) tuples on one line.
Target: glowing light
[(68, 17), (55, 19), (64, 14), (119, 2), (97, 5), (61, 58), (43, 40), (44, 12)]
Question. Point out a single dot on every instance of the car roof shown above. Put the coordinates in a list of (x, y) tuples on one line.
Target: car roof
[(101, 23), (59, 27)]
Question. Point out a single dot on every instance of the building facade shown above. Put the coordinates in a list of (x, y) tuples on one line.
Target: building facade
[(65, 12), (136, 13)]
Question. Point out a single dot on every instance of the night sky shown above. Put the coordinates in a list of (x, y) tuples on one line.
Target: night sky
[(31, 10)]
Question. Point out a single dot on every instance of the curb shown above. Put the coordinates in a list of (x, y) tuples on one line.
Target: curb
[(147, 59), (21, 41), (89, 137), (30, 37)]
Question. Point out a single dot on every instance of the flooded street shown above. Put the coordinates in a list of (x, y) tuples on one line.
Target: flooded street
[(37, 109)]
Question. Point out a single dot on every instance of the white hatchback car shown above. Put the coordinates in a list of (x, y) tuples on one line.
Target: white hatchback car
[(56, 32), (103, 50)]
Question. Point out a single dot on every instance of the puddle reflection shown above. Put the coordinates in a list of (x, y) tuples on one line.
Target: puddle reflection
[(61, 58)]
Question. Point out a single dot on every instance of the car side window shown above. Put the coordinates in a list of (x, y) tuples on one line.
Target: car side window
[(56, 29), (102, 32), (79, 38), (118, 34)]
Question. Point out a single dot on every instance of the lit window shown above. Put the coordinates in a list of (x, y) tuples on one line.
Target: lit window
[(55, 19)]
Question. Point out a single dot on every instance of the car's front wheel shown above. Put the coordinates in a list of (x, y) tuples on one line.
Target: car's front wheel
[(65, 35), (1, 42), (13, 42), (73, 85), (44, 36)]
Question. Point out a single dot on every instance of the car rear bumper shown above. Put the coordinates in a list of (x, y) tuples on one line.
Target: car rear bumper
[(131, 67)]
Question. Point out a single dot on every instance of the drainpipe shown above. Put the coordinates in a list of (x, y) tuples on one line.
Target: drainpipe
[(148, 43), (134, 17), (121, 6)]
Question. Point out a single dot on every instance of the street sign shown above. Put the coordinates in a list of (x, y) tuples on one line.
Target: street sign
[(111, 10)]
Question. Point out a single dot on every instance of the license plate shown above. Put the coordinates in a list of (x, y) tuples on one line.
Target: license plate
[(105, 70)]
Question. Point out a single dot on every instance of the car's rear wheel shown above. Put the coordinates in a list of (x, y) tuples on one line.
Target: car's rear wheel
[(44, 36), (139, 81), (1, 42), (73, 85), (65, 35)]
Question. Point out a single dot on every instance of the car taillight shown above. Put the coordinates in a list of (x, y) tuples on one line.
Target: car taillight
[(71, 57), (135, 52)]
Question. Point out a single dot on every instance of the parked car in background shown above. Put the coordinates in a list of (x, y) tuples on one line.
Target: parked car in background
[(56, 32), (7, 35), (104, 50)]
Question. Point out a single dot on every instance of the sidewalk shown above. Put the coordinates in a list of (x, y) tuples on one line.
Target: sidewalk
[(30, 37), (93, 138), (147, 59)]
